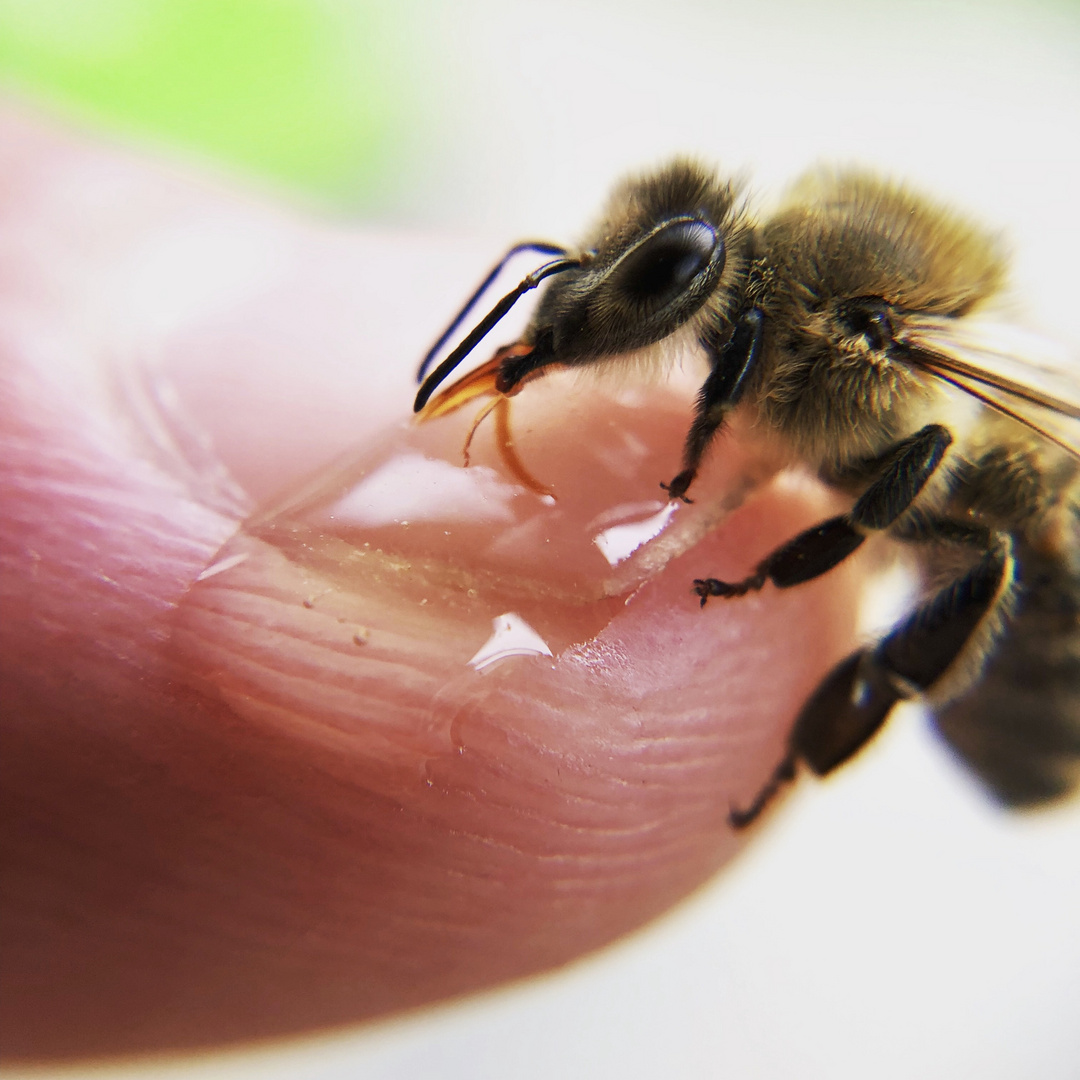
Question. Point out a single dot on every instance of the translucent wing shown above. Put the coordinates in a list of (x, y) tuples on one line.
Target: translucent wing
[(1007, 369)]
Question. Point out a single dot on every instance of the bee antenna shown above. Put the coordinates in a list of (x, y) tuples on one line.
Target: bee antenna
[(539, 246), (480, 331)]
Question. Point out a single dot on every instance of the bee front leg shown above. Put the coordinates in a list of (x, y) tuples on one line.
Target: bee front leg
[(855, 698), (732, 361), (905, 469)]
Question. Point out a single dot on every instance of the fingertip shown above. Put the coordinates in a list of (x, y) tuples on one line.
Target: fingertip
[(415, 729), (520, 698)]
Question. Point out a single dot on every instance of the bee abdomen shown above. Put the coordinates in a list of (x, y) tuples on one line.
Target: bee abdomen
[(1018, 727)]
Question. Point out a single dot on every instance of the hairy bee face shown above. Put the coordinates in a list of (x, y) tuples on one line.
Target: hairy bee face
[(667, 247)]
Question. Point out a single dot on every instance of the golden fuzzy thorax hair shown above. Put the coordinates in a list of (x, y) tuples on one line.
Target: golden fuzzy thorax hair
[(845, 235)]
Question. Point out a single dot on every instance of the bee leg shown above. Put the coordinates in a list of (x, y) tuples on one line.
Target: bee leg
[(905, 470), (732, 360), (783, 774), (855, 698)]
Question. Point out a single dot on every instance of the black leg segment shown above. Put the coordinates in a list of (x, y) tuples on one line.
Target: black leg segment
[(809, 555), (732, 362), (783, 774), (905, 470), (919, 650), (844, 712), (856, 697)]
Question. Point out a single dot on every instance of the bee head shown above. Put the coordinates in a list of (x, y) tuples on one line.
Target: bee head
[(617, 301), (668, 244)]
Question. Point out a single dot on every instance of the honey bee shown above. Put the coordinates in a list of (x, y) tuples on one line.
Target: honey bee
[(851, 324)]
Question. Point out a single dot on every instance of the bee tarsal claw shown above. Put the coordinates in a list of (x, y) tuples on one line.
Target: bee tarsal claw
[(678, 487), (706, 587), (682, 498)]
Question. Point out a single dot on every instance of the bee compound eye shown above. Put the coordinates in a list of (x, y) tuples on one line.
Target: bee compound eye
[(662, 266)]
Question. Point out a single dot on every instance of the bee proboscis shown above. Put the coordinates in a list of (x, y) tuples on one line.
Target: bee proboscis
[(852, 324)]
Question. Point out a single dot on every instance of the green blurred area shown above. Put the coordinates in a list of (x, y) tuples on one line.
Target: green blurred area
[(313, 94)]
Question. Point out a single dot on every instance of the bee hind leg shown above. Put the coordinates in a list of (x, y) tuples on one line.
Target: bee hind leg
[(853, 701), (902, 473)]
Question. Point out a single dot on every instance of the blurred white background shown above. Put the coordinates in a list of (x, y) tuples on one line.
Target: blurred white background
[(889, 923)]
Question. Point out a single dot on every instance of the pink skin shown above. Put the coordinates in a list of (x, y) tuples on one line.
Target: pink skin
[(279, 798)]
